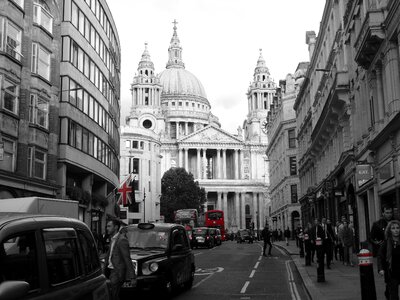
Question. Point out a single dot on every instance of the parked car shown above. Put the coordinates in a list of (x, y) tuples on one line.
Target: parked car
[(244, 235), (48, 257), (202, 237), (162, 258), (218, 237)]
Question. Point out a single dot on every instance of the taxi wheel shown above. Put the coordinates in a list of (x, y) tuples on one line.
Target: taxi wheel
[(189, 283)]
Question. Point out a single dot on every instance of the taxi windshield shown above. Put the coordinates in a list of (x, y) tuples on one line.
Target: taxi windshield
[(147, 238)]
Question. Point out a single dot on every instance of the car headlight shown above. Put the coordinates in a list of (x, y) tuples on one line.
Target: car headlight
[(149, 268), (135, 266)]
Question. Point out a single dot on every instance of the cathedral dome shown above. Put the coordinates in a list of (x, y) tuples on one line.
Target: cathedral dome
[(178, 81)]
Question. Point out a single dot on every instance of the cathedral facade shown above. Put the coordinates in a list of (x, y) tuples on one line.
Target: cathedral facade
[(171, 125)]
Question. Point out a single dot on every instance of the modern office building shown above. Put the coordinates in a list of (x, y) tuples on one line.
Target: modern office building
[(59, 112)]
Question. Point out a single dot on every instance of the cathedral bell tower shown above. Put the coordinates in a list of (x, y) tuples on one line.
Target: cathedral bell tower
[(146, 97), (259, 96)]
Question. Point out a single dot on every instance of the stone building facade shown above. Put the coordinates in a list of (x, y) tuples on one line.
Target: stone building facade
[(347, 114), (282, 153), (59, 112), (171, 116)]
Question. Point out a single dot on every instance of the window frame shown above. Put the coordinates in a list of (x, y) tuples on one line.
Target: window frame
[(32, 161), (15, 95), (13, 153), (38, 19), (36, 48), (292, 139), (15, 52), (34, 111)]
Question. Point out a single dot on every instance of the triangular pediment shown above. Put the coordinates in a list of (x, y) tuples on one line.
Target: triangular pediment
[(211, 134)]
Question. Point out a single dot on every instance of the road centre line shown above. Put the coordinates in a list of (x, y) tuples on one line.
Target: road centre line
[(260, 258), (256, 266), (246, 284), (198, 253), (252, 274), (292, 284)]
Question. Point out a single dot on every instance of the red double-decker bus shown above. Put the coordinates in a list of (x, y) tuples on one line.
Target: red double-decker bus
[(215, 218)]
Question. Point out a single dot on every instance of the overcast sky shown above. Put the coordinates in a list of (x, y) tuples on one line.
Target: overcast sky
[(220, 40)]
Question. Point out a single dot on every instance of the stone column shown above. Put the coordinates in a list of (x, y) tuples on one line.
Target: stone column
[(219, 201), (241, 171), (177, 130), (261, 215), (186, 151), (255, 209), (204, 163), (243, 210), (236, 167), (225, 208), (180, 156), (379, 89), (198, 163), (186, 128), (224, 163), (237, 210), (218, 163)]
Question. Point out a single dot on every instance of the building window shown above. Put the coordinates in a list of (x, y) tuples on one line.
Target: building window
[(42, 16), (37, 162), (293, 165), (135, 166), (127, 144), (292, 138), (12, 39), (293, 193), (10, 96), (10, 153), (135, 144), (38, 111), (40, 61)]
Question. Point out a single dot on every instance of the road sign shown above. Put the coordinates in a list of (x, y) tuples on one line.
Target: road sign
[(1, 150)]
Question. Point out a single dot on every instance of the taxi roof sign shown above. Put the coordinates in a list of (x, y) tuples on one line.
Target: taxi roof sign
[(145, 226)]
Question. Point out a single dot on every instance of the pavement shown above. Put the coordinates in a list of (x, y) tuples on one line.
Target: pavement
[(341, 282)]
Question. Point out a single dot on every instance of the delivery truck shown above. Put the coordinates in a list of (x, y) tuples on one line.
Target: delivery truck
[(39, 205)]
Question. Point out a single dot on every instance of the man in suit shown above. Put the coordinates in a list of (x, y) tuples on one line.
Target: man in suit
[(119, 267), (327, 241), (266, 235)]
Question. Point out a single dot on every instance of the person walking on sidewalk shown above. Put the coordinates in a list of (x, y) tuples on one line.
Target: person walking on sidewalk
[(118, 262), (266, 235), (338, 245), (286, 234), (347, 240), (308, 244), (389, 260), (378, 229), (327, 241)]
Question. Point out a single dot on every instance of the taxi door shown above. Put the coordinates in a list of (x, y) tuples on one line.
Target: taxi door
[(180, 257)]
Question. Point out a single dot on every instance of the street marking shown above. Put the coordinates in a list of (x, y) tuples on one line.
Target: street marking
[(252, 274), (209, 274), (198, 253), (281, 251), (293, 288), (260, 258), (243, 290), (256, 266)]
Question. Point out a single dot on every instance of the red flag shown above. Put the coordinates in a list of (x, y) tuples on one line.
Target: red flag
[(125, 191)]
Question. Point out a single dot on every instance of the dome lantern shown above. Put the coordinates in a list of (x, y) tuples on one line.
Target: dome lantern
[(175, 51)]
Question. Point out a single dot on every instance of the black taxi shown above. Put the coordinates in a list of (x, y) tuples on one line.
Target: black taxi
[(48, 257), (162, 257)]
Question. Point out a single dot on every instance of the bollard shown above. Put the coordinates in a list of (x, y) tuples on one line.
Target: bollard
[(365, 262), (320, 260)]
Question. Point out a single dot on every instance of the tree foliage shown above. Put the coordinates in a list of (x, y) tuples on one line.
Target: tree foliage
[(179, 191)]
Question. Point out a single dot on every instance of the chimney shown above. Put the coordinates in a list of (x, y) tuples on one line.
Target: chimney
[(310, 41)]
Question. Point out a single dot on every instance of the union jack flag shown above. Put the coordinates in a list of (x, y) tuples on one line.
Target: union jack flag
[(125, 191)]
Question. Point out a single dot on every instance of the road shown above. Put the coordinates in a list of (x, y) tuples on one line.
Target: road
[(239, 271)]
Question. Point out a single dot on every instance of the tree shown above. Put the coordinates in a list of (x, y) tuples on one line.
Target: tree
[(179, 191)]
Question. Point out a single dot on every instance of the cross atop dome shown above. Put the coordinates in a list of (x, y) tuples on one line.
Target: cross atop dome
[(175, 51)]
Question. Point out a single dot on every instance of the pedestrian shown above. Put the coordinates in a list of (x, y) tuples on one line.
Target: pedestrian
[(327, 241), (119, 267), (389, 259), (280, 236), (266, 235), (377, 235), (308, 246), (347, 240), (338, 249), (286, 234)]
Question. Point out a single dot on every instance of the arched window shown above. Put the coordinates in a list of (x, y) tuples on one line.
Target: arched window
[(42, 15)]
